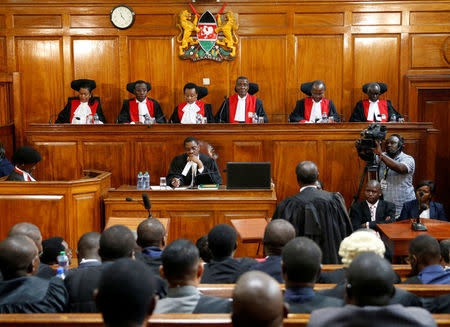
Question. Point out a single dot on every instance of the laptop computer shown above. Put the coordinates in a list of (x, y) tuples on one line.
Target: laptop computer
[(248, 175)]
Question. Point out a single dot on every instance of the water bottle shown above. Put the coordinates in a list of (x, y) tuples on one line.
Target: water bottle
[(255, 118), (63, 261), (146, 181), (198, 119), (140, 178), (393, 118), (147, 119), (96, 119), (324, 118), (60, 273)]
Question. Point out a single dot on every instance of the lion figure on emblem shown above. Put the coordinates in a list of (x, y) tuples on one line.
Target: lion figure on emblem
[(186, 29), (229, 32)]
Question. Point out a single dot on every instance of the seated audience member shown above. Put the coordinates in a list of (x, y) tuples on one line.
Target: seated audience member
[(316, 214), (193, 167), (359, 242), (83, 108), (369, 289), (203, 249), (424, 258), (301, 258), (277, 233), (242, 106), (258, 301), (445, 253), (6, 167), (372, 211), (135, 110), (312, 108), (87, 250), (439, 304), (192, 110), (25, 160), (20, 291), (182, 268), (151, 237), (424, 193), (126, 294), (52, 247), (223, 268), (33, 232), (373, 109)]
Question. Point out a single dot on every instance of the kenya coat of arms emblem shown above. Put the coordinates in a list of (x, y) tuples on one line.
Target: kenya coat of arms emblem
[(206, 37)]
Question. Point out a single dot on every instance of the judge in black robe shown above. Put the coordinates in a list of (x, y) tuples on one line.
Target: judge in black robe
[(129, 114), (253, 105), (316, 214), (303, 108), (193, 94), (207, 174)]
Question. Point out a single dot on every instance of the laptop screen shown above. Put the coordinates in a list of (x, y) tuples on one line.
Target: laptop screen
[(248, 175)]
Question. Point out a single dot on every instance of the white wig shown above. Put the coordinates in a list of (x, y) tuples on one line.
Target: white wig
[(360, 241)]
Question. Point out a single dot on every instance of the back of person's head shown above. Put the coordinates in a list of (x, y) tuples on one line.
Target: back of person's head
[(445, 251), (51, 248), (301, 258), (370, 280), (277, 233), (222, 240), (424, 251), (203, 249), (257, 301), (360, 241), (151, 232), (88, 245), (180, 261), (126, 293), (116, 242), (27, 229), (18, 257), (307, 173)]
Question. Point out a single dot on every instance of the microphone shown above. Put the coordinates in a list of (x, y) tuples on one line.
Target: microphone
[(222, 108), (417, 225), (147, 204), (129, 199)]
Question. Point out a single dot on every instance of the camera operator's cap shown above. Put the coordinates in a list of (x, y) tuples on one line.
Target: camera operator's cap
[(252, 88), (81, 83), (383, 87), (130, 86)]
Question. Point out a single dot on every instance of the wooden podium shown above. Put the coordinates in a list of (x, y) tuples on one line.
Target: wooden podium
[(67, 209)]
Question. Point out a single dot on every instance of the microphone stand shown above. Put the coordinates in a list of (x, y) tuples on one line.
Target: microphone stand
[(417, 225), (221, 110)]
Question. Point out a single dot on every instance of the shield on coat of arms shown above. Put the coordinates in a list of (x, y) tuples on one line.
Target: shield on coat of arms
[(207, 35)]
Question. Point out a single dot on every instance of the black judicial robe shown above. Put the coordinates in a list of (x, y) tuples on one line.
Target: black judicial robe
[(299, 112), (359, 114), (125, 115), (64, 115), (210, 173), (223, 115), (320, 216), (177, 114)]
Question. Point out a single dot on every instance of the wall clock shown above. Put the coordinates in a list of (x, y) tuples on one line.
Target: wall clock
[(122, 16)]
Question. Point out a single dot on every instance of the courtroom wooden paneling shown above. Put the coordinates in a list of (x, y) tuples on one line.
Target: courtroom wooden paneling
[(430, 51), (149, 157), (2, 53), (7, 138)]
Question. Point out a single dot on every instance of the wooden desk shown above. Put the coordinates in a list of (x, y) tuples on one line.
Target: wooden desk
[(400, 234), (192, 213)]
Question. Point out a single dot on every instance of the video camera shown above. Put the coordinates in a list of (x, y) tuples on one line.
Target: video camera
[(371, 134)]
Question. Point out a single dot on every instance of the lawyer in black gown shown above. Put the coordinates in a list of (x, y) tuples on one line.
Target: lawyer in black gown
[(241, 107), (192, 161), (81, 109), (316, 214), (187, 112)]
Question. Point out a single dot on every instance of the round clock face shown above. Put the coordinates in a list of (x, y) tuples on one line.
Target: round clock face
[(122, 16)]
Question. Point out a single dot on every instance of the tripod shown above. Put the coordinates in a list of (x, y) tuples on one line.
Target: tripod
[(371, 171)]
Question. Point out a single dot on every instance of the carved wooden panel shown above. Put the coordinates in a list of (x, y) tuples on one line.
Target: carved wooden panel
[(430, 51), (7, 138), (85, 203), (155, 21), (37, 21), (2, 54), (40, 63), (319, 19), (98, 59), (251, 151), (376, 58), (151, 157), (377, 18), (2, 21), (90, 21), (181, 223), (263, 20), (5, 107), (429, 18)]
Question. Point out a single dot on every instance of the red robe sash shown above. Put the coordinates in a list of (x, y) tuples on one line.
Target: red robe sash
[(200, 104), (76, 103), (324, 105), (250, 106), (382, 106), (134, 109)]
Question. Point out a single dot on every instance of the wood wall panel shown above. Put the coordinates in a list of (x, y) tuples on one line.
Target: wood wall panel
[(39, 60), (181, 223), (37, 21), (2, 21), (429, 18), (247, 151), (377, 18), (98, 59), (149, 157), (320, 57), (319, 19), (84, 203), (430, 51), (268, 55), (263, 20), (5, 104), (376, 59), (92, 21), (156, 21), (152, 60), (3, 54)]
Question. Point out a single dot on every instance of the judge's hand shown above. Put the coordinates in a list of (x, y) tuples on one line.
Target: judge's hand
[(196, 159), (175, 182), (377, 150)]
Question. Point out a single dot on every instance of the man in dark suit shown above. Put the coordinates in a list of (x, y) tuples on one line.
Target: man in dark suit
[(277, 233), (151, 237), (87, 250), (372, 211)]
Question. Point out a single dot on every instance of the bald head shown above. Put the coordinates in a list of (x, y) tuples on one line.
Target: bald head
[(88, 246), (277, 233), (30, 230), (370, 280), (307, 173), (18, 257), (151, 232), (257, 301)]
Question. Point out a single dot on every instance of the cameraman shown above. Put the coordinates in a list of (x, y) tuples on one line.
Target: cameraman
[(395, 171)]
